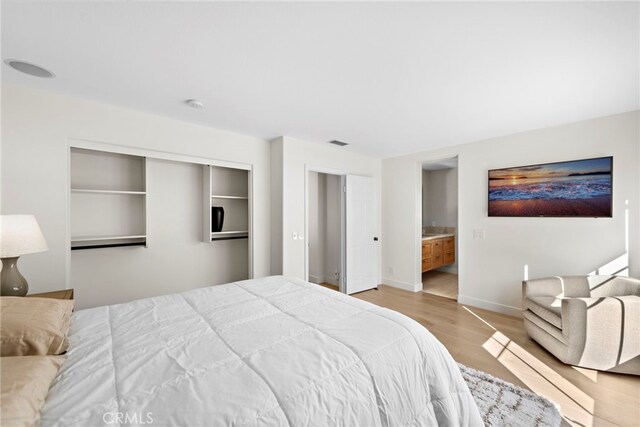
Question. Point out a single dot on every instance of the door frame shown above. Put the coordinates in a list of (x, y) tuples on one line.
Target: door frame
[(341, 174), (418, 224)]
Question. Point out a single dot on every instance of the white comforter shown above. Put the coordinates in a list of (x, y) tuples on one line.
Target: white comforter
[(272, 351)]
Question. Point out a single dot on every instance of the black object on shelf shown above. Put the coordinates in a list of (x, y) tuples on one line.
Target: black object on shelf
[(108, 245), (217, 218), (213, 239)]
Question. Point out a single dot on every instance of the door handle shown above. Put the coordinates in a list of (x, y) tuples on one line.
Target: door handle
[(375, 239)]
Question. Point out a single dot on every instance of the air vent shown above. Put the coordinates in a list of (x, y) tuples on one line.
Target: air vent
[(338, 143)]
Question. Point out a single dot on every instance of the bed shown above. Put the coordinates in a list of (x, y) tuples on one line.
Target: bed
[(270, 351)]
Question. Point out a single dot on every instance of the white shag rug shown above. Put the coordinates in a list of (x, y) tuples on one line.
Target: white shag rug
[(504, 404)]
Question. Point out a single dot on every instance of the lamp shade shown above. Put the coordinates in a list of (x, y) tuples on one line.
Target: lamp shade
[(20, 235)]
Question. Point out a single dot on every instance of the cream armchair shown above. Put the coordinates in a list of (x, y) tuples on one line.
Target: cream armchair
[(588, 321)]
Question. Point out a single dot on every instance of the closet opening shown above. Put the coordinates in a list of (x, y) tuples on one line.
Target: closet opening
[(324, 229)]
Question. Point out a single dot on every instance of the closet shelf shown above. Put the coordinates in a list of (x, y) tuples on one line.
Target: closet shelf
[(109, 245), (230, 197), (101, 238), (108, 199), (83, 190), (100, 242), (229, 235)]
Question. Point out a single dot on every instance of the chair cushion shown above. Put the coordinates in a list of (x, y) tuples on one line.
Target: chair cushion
[(548, 308), (544, 325)]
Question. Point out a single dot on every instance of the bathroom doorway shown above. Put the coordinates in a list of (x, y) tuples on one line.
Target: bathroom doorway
[(440, 228), (324, 229)]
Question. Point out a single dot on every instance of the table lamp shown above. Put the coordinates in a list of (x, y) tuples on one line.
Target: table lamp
[(19, 235)]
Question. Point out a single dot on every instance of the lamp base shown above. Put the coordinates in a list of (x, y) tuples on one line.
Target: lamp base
[(11, 281)]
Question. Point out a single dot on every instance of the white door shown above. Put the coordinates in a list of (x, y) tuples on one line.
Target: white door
[(361, 241)]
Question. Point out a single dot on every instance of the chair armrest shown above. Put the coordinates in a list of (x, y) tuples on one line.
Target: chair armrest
[(574, 312), (614, 286), (547, 287), (631, 285), (603, 329)]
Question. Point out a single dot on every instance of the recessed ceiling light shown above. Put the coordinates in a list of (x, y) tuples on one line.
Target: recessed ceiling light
[(27, 68), (338, 143), (194, 103)]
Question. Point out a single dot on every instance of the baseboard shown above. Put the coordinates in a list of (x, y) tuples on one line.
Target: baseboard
[(450, 270), (402, 285), (328, 279), (491, 306), (316, 279)]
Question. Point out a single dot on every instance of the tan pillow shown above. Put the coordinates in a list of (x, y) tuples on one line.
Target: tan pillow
[(34, 326), (25, 382)]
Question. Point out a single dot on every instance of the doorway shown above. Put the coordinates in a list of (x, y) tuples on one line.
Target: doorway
[(440, 228), (324, 229), (341, 223)]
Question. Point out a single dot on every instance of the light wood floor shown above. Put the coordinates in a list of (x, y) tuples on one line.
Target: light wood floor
[(329, 285), (440, 283), (498, 344)]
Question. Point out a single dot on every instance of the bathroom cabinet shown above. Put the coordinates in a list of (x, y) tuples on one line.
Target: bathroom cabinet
[(438, 252)]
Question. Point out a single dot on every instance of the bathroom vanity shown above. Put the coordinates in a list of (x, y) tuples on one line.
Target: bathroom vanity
[(437, 250)]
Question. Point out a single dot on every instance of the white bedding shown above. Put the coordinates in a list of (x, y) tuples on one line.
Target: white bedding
[(271, 351)]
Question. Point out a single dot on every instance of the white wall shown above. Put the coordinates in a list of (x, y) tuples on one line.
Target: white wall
[(440, 198), (298, 157), (425, 199), (36, 127), (317, 229), (332, 245), (277, 157), (490, 270)]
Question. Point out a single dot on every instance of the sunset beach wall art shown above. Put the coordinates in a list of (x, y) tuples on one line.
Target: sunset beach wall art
[(578, 188)]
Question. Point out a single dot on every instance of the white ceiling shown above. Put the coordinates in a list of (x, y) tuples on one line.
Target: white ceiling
[(389, 78)]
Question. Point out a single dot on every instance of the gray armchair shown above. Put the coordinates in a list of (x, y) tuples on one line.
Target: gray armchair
[(588, 321)]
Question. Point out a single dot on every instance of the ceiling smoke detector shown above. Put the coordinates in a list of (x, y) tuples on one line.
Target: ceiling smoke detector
[(30, 69), (338, 143), (194, 103)]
